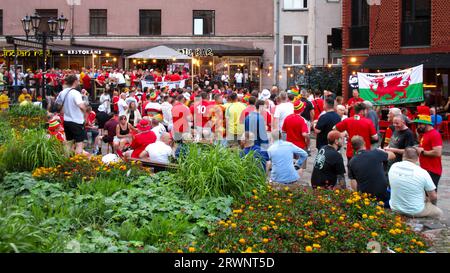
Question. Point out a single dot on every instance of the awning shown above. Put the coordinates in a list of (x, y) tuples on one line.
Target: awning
[(160, 53), (435, 60), (217, 49)]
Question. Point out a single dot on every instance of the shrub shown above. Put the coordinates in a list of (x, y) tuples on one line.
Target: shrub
[(309, 221), (31, 150), (27, 117), (212, 171)]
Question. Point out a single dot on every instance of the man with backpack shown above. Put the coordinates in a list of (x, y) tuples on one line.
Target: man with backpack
[(74, 110)]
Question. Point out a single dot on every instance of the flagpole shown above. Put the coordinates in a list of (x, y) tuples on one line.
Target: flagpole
[(192, 74)]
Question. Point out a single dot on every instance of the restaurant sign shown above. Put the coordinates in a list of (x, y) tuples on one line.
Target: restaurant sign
[(25, 53), (197, 52), (84, 52)]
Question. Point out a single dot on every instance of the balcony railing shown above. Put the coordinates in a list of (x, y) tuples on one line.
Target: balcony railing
[(416, 33), (359, 37)]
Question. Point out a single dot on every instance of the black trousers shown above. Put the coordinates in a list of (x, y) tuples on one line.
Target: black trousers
[(435, 178)]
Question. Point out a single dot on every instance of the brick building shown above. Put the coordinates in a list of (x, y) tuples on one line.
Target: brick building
[(240, 34), (397, 34)]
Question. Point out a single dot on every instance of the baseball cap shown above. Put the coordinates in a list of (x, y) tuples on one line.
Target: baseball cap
[(265, 95)]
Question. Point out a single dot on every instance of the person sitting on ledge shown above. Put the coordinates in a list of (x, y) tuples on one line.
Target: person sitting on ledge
[(409, 183)]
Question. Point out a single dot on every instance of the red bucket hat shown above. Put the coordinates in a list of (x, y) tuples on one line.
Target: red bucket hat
[(144, 125)]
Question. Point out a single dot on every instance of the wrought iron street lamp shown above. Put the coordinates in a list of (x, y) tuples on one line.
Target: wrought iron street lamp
[(56, 27)]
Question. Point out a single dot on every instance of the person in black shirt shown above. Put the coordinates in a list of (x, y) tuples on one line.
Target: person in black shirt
[(308, 113), (329, 165), (366, 170), (401, 138), (326, 123)]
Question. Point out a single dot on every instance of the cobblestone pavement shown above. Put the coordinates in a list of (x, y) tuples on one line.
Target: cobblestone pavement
[(438, 231)]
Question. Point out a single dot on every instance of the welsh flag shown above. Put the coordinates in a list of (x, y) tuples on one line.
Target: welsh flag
[(398, 87)]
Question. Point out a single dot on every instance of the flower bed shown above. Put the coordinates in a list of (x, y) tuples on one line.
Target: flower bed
[(308, 221), (79, 168)]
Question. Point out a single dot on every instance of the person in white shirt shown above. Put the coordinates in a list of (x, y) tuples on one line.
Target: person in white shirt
[(284, 109), (225, 78), (239, 77), (160, 151), (105, 100), (74, 113), (166, 108), (120, 79), (158, 128), (409, 182), (122, 104)]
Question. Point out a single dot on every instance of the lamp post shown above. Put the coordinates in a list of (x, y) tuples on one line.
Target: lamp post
[(32, 24)]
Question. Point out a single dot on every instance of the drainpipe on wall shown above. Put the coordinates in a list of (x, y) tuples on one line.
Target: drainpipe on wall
[(277, 41)]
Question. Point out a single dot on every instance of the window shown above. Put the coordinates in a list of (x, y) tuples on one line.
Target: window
[(98, 21), (295, 4), (1, 22), (359, 30), (334, 55), (204, 22), (416, 22), (149, 22), (46, 14), (295, 50)]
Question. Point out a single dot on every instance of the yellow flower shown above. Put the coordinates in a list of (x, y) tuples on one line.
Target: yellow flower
[(349, 201), (398, 249), (233, 225), (420, 244), (237, 211), (255, 197), (242, 241), (364, 216), (221, 222), (341, 218), (371, 217), (222, 251), (272, 223), (323, 233), (179, 251), (262, 251), (275, 227), (316, 245), (251, 208), (356, 225), (309, 223), (398, 225), (392, 231), (265, 240), (374, 234), (308, 249), (269, 207), (249, 250), (279, 214), (286, 188), (265, 228), (191, 249), (249, 229)]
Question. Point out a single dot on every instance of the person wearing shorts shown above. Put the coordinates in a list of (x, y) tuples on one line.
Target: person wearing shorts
[(74, 112)]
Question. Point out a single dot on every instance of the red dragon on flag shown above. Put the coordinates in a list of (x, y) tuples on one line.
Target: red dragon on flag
[(392, 87)]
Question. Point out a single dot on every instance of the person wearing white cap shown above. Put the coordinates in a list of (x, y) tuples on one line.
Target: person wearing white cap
[(265, 96)]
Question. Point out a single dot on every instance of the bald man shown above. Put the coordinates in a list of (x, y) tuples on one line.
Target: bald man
[(160, 151)]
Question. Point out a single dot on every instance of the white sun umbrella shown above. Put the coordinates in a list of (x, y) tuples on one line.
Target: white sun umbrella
[(164, 53)]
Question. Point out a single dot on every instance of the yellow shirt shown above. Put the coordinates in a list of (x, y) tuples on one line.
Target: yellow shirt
[(4, 102), (81, 76), (233, 115), (22, 97)]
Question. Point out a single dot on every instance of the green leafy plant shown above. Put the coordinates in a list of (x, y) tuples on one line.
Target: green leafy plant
[(30, 150), (27, 111), (213, 171)]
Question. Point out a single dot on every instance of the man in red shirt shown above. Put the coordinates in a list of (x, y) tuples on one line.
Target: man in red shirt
[(87, 82), (175, 77), (250, 108), (115, 100), (352, 102), (181, 117), (358, 125), (318, 104), (140, 141), (199, 111), (101, 79), (295, 126), (430, 148)]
